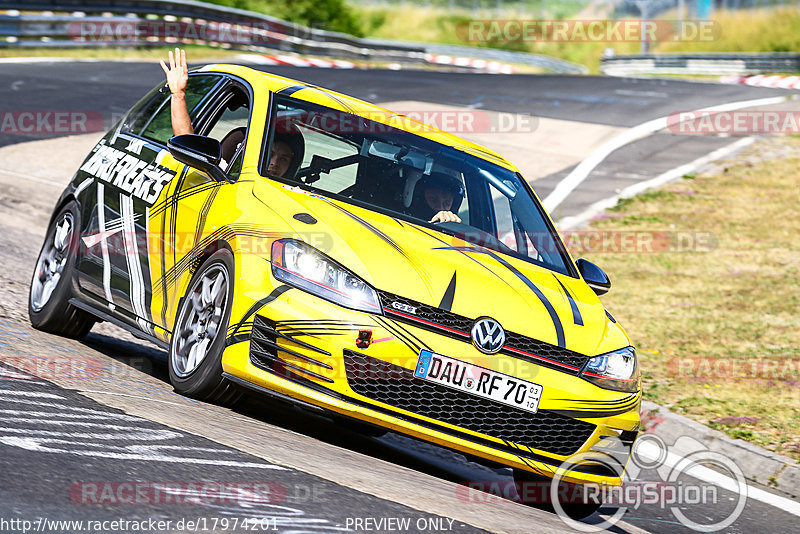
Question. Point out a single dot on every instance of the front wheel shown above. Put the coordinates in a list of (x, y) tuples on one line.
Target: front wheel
[(198, 339), (535, 491), (48, 303)]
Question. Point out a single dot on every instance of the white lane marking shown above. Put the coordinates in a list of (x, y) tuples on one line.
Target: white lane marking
[(143, 454), (98, 415), (569, 223), (653, 452), (7, 373), (585, 167), (126, 433), (148, 399), (95, 436), (11, 392), (31, 178), (632, 92), (101, 219)]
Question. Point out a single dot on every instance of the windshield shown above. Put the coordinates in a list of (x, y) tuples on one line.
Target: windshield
[(351, 158)]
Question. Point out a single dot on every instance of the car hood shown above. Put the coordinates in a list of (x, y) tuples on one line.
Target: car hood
[(440, 270)]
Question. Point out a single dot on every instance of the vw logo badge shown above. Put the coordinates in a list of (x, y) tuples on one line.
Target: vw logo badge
[(488, 336)]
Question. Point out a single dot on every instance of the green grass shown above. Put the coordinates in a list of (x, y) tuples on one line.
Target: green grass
[(773, 30), (715, 322)]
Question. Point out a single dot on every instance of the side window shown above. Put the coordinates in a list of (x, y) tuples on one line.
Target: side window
[(227, 123), (159, 129), (323, 145), (144, 109), (313, 145), (508, 229), (230, 120)]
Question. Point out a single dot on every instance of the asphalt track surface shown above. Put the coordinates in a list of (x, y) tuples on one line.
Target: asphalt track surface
[(54, 443)]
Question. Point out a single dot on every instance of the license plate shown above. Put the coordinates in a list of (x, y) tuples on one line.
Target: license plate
[(478, 381)]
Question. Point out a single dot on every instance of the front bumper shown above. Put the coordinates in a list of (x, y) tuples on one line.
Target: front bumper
[(316, 363)]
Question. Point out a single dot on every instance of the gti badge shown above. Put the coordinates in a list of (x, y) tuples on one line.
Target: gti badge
[(488, 336), (404, 307)]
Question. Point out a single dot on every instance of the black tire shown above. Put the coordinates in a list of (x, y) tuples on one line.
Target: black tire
[(574, 507), (52, 312), (203, 380)]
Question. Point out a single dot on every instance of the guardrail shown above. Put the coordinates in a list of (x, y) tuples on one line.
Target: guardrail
[(156, 22), (713, 64), (87, 23)]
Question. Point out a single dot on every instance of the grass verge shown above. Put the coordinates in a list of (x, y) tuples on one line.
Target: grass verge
[(752, 30), (712, 303)]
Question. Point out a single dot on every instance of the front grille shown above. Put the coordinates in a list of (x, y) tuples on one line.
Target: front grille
[(396, 386), (450, 324)]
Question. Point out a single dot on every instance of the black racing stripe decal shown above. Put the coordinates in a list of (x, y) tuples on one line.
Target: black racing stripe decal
[(322, 324), (412, 336), (186, 261), (538, 292), (348, 108), (371, 228), (289, 91), (399, 335), (201, 222), (580, 414), (576, 313), (632, 398), (391, 242), (277, 292), (166, 203), (238, 338), (561, 342), (447, 247), (226, 233), (449, 294), (164, 219)]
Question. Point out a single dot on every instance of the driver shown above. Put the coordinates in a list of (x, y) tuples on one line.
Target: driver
[(286, 155), (436, 198)]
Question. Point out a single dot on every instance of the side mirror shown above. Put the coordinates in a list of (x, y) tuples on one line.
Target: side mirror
[(594, 276), (202, 153)]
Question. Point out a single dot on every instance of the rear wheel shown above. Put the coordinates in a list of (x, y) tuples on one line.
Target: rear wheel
[(48, 303), (198, 339)]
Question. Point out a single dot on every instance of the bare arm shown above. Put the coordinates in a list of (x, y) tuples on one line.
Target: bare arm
[(445, 216), (177, 76)]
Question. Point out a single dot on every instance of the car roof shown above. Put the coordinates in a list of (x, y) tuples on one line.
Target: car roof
[(318, 95)]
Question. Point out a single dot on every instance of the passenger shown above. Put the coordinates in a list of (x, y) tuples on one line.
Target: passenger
[(436, 198), (287, 149)]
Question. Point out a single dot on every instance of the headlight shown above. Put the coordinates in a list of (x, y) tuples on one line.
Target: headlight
[(615, 370), (304, 267)]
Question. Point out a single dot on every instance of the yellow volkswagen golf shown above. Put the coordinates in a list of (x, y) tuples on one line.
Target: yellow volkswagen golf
[(325, 251)]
